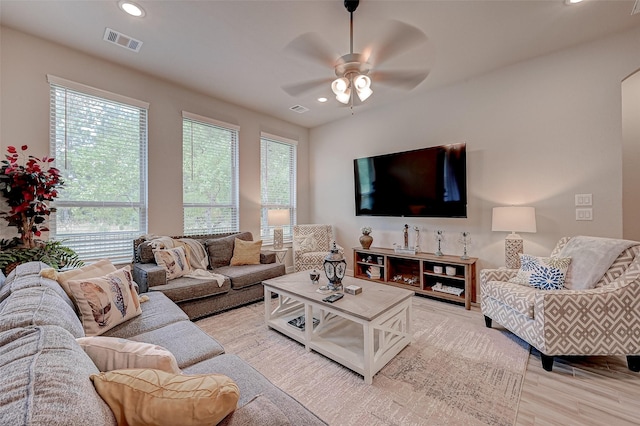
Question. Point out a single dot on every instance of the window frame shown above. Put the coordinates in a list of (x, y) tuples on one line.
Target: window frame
[(266, 231), (114, 245), (235, 183)]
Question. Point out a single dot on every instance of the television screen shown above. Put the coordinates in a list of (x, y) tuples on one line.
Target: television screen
[(428, 182)]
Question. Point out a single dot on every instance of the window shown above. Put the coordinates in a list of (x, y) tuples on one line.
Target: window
[(99, 142), (209, 175), (277, 182)]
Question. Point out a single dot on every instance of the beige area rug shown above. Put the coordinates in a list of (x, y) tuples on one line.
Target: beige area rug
[(455, 372)]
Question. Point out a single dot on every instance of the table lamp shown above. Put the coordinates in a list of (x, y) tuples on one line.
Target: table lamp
[(513, 219), (277, 218)]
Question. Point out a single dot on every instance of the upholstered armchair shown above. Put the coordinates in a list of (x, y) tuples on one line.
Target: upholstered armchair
[(599, 314), (311, 244)]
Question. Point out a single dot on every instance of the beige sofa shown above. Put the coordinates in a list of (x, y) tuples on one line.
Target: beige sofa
[(602, 320), (197, 297), (44, 373)]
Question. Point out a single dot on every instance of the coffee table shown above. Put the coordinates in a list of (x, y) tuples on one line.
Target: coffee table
[(362, 332)]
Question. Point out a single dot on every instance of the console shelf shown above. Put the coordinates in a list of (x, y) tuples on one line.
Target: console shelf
[(416, 272)]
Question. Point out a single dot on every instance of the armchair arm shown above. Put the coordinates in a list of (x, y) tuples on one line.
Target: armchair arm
[(148, 275), (502, 274), (600, 321), (267, 256)]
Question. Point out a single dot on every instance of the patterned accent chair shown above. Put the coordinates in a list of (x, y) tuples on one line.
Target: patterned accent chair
[(604, 320), (311, 244)]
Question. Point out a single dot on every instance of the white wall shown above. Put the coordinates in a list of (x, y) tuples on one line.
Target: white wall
[(24, 113), (631, 156), (537, 133)]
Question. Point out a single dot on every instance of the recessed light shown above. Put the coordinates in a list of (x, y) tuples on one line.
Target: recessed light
[(131, 8), (322, 100), (572, 1)]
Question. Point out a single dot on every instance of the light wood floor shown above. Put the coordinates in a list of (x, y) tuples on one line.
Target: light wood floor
[(598, 391)]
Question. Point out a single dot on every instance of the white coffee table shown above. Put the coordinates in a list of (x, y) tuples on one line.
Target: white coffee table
[(362, 332)]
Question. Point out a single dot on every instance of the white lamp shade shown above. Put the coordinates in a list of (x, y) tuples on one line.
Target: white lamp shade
[(514, 219), (278, 217)]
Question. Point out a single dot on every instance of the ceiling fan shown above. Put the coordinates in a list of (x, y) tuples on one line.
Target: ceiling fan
[(354, 71)]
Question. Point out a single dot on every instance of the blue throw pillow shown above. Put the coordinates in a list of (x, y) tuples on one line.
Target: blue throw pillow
[(544, 273)]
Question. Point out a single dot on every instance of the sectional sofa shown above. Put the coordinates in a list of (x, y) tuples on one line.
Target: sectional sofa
[(45, 374)]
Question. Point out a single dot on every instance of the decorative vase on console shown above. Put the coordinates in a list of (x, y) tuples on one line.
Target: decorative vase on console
[(365, 238)]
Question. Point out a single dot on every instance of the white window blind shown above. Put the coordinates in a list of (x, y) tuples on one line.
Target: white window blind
[(277, 182), (210, 175), (99, 142)]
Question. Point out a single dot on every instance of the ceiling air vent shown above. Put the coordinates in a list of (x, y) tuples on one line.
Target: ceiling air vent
[(122, 40), (299, 109)]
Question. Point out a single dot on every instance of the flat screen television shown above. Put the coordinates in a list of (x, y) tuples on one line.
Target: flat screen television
[(427, 182)]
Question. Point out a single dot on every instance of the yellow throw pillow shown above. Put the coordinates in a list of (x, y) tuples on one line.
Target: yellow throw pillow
[(106, 301), (154, 397), (97, 269), (246, 252), (113, 353)]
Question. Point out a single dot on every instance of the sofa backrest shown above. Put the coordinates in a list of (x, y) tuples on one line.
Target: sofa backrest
[(219, 247)]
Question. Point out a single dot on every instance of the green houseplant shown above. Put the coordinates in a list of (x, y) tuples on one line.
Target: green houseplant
[(28, 185)]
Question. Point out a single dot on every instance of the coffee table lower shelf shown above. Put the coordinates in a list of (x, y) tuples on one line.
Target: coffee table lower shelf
[(362, 346)]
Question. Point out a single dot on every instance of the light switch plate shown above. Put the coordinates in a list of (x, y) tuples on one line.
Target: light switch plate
[(584, 214), (584, 199)]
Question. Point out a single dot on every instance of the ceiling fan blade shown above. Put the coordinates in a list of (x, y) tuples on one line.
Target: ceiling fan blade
[(400, 78), (311, 46), (297, 89), (400, 38)]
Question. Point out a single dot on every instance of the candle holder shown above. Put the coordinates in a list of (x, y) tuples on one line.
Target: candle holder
[(439, 237), (465, 240)]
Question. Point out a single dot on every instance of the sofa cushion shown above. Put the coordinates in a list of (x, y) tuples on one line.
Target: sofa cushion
[(185, 288), (248, 275), (105, 302), (158, 312), (27, 275), (174, 261), (38, 306), (246, 252), (112, 353), (517, 296), (259, 411), (544, 273), (192, 346), (220, 250), (144, 252), (151, 397), (45, 380), (252, 384)]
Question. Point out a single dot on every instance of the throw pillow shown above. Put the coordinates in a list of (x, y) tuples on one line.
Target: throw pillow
[(97, 269), (174, 261), (305, 244), (544, 273), (113, 353), (106, 301), (246, 253), (144, 397)]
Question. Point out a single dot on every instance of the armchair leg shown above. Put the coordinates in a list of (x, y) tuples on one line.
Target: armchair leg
[(633, 362), (487, 321), (547, 362)]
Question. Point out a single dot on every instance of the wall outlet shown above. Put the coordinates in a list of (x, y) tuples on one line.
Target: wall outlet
[(584, 214), (584, 199)]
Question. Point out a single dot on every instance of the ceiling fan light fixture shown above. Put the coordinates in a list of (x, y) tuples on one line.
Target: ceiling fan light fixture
[(340, 85), (362, 84)]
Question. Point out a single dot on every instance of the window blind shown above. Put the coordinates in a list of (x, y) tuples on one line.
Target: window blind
[(210, 175), (277, 182), (100, 147)]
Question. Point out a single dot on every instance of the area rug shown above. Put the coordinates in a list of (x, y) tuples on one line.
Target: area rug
[(455, 372)]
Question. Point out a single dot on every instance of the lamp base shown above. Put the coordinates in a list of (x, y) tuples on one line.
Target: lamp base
[(513, 247), (277, 238)]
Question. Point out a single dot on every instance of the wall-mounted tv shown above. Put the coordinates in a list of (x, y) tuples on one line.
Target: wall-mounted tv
[(427, 182)]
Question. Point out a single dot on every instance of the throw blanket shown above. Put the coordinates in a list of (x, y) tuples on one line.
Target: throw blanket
[(591, 257), (195, 253)]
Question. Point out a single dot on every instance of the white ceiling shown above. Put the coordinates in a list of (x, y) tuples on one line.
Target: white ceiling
[(234, 50)]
